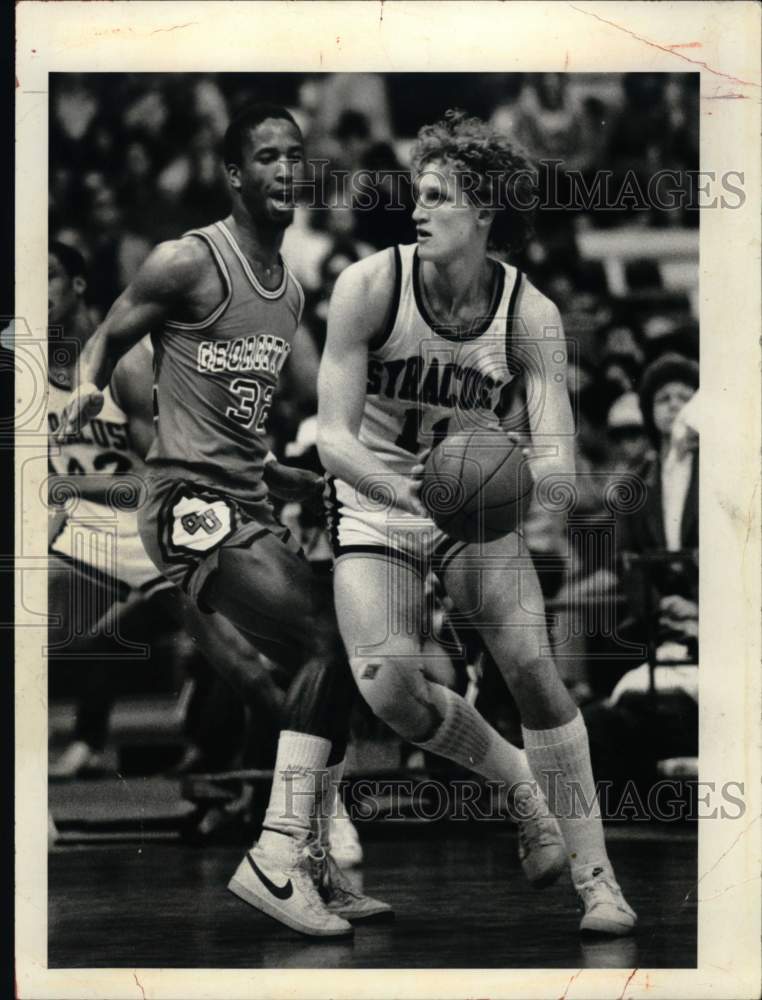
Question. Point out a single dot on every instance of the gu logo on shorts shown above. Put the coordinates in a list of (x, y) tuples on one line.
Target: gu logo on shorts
[(199, 525)]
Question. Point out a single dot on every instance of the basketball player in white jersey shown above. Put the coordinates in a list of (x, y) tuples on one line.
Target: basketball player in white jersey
[(223, 310), (423, 339)]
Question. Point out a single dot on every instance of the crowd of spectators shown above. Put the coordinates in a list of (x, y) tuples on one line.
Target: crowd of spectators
[(134, 160)]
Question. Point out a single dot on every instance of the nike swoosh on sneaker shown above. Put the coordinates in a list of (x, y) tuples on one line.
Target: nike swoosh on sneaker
[(279, 891)]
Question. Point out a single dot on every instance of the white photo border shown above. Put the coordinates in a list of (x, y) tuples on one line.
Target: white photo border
[(719, 40)]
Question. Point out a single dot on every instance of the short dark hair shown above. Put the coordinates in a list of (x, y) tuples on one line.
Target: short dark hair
[(246, 119), (70, 259)]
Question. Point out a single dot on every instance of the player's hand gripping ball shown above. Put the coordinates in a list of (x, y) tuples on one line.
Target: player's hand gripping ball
[(477, 485)]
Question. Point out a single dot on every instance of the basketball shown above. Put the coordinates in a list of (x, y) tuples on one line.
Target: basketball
[(477, 485)]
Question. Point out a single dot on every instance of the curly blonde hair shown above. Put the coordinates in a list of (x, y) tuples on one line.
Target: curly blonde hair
[(506, 178)]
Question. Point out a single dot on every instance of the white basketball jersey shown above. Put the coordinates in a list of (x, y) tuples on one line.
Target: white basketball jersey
[(426, 380), (103, 446)]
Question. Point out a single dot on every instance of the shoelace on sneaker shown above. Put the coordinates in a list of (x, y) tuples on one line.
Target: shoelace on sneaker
[(330, 881), (310, 862), (605, 886), (316, 855), (313, 849), (342, 887)]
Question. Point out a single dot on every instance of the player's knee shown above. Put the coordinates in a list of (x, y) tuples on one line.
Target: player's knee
[(523, 674), (389, 685)]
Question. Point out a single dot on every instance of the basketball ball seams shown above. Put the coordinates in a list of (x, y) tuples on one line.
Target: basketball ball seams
[(459, 477), (467, 500), (463, 458), (469, 515), (512, 500), (481, 486), (491, 476)]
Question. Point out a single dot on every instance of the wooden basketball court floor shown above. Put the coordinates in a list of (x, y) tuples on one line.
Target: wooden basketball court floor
[(460, 900)]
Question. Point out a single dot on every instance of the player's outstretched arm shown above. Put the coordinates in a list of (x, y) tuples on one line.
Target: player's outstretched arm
[(359, 309), (159, 287)]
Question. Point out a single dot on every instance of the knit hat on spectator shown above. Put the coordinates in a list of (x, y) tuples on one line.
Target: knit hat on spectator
[(669, 367)]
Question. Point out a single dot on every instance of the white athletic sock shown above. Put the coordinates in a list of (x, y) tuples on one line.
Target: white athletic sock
[(299, 770), (560, 761), (466, 738), (328, 803)]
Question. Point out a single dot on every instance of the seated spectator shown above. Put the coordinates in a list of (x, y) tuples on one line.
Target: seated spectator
[(669, 518)]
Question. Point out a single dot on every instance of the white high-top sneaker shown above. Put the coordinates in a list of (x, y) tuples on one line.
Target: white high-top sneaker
[(279, 882), (606, 909), (336, 889), (340, 895), (542, 851)]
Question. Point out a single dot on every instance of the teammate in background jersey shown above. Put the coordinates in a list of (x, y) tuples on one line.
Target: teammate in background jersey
[(223, 310), (423, 338)]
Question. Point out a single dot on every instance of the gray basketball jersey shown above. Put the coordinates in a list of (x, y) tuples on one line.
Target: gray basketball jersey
[(214, 380)]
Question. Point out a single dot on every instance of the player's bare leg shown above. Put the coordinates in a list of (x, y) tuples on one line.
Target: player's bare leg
[(300, 887), (506, 606), (377, 603), (231, 655)]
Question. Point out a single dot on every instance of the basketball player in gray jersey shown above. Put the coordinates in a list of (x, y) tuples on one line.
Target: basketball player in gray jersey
[(422, 338), (100, 543), (223, 310)]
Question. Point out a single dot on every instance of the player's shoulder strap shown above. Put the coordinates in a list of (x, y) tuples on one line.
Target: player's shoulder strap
[(511, 323), (385, 330), (207, 237), (515, 388), (297, 286)]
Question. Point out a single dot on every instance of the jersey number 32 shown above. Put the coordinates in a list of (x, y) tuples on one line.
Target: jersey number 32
[(254, 401)]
